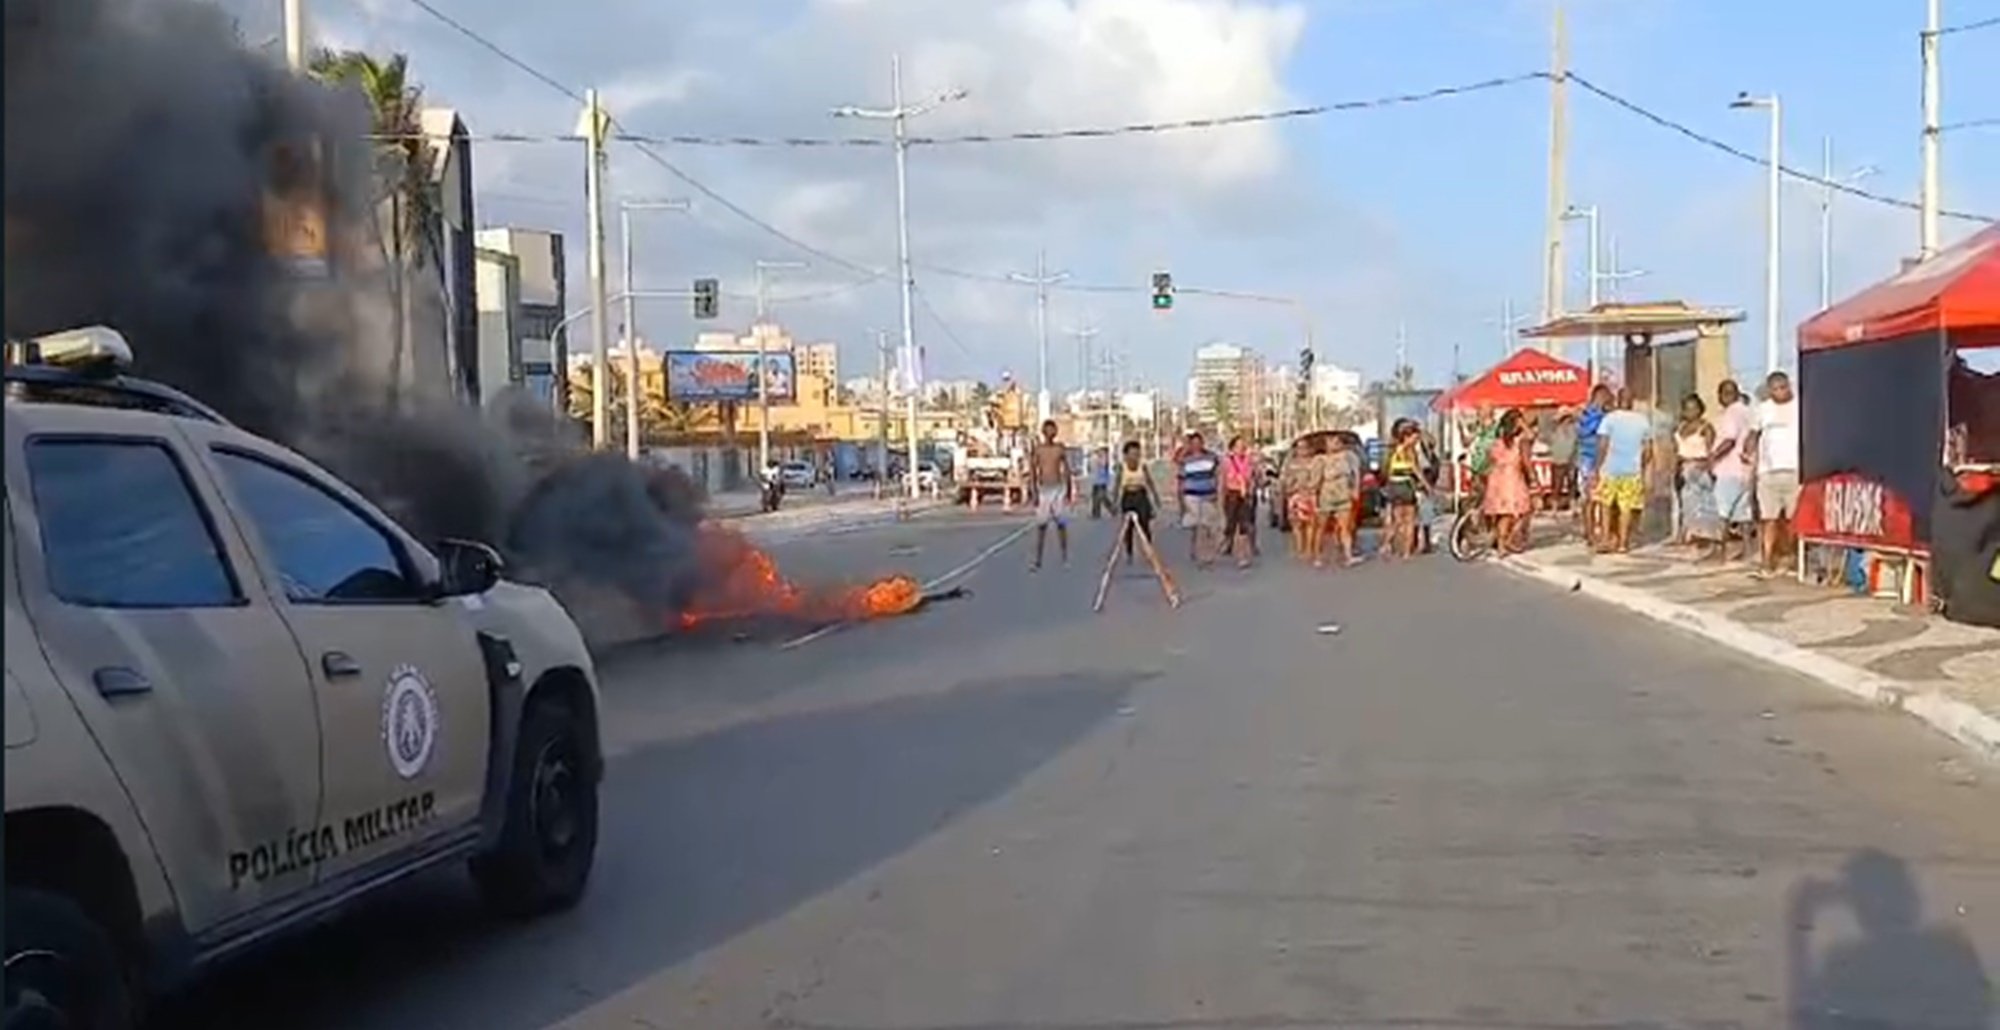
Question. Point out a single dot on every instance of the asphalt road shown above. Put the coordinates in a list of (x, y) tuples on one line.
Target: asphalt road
[(1481, 803)]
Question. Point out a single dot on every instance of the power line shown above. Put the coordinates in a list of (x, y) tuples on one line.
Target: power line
[(925, 302), (1762, 162), (736, 209), (1033, 135), (1971, 26), (692, 183), (1975, 123), (498, 51)]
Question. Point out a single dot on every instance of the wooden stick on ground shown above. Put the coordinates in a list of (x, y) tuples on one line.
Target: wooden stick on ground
[(1111, 560), (1153, 558), (1130, 529)]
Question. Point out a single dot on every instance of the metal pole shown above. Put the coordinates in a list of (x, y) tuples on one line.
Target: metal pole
[(1044, 400), (1552, 265), (763, 379), (903, 259), (1596, 282), (631, 338), (882, 404), (1826, 223), (1929, 199), (1041, 281), (295, 34), (593, 185), (1771, 272)]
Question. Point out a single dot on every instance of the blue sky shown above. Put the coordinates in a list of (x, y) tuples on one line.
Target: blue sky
[(1469, 175), (1427, 216)]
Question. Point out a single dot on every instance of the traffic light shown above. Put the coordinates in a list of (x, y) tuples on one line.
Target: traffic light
[(1163, 291), (706, 298)]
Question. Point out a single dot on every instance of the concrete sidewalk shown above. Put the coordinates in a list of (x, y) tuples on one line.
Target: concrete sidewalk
[(1944, 673)]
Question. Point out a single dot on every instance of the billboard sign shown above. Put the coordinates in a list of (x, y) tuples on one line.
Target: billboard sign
[(728, 375)]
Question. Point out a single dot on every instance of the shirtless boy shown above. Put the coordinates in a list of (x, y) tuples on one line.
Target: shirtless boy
[(1054, 490)]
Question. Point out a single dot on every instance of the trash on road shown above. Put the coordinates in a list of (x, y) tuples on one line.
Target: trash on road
[(1327, 629)]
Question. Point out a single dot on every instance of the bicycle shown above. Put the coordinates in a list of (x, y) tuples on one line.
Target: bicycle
[(1472, 534)]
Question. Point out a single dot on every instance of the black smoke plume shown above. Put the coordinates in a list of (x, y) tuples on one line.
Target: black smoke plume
[(143, 143)]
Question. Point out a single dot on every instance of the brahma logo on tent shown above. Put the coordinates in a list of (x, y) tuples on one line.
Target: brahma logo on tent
[(1538, 376)]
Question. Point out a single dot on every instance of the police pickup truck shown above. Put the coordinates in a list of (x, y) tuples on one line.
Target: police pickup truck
[(239, 698)]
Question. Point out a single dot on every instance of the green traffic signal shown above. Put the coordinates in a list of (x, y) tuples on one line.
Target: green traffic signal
[(1162, 301)]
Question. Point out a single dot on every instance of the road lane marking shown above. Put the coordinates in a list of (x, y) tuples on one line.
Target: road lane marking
[(935, 582)]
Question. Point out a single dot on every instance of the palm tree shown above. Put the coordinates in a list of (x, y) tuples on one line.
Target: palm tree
[(402, 171)]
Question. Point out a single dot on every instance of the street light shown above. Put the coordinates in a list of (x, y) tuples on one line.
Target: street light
[(764, 268), (625, 209), (1745, 101), (1589, 215), (898, 115), (1827, 184)]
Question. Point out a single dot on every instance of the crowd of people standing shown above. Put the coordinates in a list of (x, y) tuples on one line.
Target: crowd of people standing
[(1735, 475)]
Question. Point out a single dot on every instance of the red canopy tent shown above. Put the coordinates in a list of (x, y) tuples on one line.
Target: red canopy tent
[(1956, 293), (1880, 380), (1528, 379)]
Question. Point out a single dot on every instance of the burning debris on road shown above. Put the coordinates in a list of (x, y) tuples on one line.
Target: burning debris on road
[(146, 147)]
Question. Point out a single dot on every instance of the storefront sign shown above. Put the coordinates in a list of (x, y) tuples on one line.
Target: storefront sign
[(1855, 511)]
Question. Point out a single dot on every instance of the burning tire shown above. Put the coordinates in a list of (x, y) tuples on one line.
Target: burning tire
[(549, 841)]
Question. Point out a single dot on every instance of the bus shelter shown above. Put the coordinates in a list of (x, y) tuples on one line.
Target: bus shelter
[(1661, 351)]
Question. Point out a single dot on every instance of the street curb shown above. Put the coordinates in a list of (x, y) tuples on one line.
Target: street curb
[(1961, 722)]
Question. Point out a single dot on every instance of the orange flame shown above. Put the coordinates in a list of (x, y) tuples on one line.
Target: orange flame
[(742, 581)]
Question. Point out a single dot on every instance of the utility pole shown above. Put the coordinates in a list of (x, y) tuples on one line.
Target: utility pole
[(1827, 184), (1929, 199), (632, 398), (1041, 281), (1595, 277), (899, 115), (764, 268), (1552, 258), (882, 424), (295, 35), (1775, 162), (1084, 333), (593, 187)]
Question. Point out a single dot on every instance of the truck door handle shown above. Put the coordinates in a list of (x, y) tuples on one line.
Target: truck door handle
[(337, 664), (118, 681)]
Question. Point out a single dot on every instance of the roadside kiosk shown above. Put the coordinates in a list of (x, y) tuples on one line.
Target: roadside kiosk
[(1899, 412), (1530, 380)]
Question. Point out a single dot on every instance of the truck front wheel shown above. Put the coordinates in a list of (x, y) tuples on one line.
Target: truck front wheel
[(546, 848)]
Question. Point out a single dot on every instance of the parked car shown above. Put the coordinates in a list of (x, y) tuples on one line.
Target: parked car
[(797, 475), (240, 698)]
